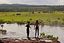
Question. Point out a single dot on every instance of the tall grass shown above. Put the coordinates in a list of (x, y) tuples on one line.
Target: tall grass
[(47, 18)]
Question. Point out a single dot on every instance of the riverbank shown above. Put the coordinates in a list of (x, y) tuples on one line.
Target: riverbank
[(9, 40)]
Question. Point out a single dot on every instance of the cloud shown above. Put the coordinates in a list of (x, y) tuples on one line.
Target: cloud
[(33, 2), (37, 2), (4, 2), (61, 2)]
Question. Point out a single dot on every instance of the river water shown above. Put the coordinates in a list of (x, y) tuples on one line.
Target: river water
[(19, 31)]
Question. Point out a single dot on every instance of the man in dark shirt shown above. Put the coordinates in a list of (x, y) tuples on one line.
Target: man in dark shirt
[(28, 26)]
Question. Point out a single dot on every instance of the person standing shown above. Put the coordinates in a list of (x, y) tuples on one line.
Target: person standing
[(36, 28), (27, 30)]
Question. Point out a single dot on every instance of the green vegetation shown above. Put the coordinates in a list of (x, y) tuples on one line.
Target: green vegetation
[(56, 18), (50, 37)]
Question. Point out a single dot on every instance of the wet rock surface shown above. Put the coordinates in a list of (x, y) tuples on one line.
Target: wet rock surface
[(9, 40)]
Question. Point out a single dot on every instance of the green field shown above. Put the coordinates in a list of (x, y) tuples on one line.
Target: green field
[(46, 18)]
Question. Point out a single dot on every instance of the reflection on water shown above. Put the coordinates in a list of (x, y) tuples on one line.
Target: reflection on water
[(19, 31)]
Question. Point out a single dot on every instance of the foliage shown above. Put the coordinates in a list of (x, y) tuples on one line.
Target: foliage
[(50, 37), (56, 18)]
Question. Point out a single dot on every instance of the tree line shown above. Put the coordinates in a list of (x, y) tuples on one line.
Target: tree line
[(29, 8)]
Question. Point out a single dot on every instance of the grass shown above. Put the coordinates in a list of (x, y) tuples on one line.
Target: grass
[(47, 18)]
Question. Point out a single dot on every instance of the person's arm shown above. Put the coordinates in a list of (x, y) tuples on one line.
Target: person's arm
[(30, 27), (34, 26), (26, 26)]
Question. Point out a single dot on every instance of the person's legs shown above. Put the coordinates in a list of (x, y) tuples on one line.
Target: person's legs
[(35, 32), (27, 33), (38, 32)]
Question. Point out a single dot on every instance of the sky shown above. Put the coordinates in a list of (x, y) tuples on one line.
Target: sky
[(33, 2)]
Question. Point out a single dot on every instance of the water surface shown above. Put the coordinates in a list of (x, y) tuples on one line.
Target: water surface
[(19, 31)]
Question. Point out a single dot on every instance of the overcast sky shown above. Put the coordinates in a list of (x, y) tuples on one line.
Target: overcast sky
[(33, 2)]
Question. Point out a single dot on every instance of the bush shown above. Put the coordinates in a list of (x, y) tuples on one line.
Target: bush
[(18, 14), (1, 21)]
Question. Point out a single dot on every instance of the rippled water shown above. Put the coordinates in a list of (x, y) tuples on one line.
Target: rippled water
[(19, 31)]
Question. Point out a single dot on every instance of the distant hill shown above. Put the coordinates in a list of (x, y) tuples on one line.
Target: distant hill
[(25, 7)]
